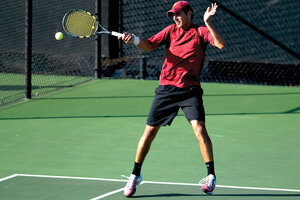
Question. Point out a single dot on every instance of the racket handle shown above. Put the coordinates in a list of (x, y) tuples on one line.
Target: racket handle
[(116, 34)]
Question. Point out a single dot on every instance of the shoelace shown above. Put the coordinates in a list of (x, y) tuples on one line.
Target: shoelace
[(202, 181), (130, 181), (125, 176), (206, 180)]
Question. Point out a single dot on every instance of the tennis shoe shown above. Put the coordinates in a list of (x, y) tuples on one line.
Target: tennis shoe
[(209, 184), (130, 187)]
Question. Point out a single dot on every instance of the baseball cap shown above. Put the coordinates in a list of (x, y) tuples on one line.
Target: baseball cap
[(178, 7)]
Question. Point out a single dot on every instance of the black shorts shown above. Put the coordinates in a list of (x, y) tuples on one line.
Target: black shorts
[(167, 101)]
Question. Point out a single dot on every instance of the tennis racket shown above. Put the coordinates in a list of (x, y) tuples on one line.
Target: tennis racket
[(82, 24)]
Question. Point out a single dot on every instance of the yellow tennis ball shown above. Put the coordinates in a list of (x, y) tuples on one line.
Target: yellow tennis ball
[(59, 35)]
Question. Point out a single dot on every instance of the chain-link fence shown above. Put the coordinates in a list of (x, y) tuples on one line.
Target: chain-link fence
[(262, 44), (256, 33), (55, 64)]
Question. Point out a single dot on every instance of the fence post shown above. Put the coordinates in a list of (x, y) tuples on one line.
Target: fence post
[(98, 64), (143, 64), (28, 47), (109, 19)]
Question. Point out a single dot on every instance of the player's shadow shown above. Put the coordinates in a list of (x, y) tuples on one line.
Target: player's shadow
[(220, 195), (169, 195)]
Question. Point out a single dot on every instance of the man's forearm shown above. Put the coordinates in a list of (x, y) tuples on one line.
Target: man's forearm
[(218, 37), (145, 45)]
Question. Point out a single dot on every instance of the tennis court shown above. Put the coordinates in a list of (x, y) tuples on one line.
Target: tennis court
[(76, 144)]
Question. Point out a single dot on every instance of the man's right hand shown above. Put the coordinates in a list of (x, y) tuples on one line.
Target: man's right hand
[(127, 38)]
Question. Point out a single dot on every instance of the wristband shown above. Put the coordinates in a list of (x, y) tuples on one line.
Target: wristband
[(136, 40)]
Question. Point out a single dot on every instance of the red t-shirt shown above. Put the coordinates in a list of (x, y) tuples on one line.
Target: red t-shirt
[(185, 53)]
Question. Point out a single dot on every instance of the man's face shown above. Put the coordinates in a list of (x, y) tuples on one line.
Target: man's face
[(182, 20)]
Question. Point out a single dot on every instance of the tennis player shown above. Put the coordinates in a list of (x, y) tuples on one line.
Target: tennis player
[(179, 84)]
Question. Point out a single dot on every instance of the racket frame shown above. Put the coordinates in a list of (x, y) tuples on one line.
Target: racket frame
[(96, 32)]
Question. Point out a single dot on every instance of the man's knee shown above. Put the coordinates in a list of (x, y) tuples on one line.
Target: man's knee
[(150, 131), (200, 130)]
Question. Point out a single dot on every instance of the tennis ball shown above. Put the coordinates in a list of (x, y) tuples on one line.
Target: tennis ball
[(59, 35)]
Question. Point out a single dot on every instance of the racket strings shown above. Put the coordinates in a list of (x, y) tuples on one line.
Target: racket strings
[(80, 23)]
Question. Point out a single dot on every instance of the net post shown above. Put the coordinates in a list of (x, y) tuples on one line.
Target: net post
[(28, 47), (98, 64)]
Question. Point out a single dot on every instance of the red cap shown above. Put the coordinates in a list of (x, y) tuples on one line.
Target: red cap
[(178, 7)]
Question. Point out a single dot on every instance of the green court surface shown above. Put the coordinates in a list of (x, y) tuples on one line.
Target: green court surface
[(92, 131), (53, 187), (12, 85)]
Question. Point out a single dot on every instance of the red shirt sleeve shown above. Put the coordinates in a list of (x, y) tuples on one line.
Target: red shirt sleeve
[(206, 35), (161, 38)]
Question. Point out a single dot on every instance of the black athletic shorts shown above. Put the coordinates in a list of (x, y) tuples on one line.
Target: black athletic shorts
[(167, 101)]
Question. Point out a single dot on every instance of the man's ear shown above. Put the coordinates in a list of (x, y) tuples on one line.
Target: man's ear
[(189, 14)]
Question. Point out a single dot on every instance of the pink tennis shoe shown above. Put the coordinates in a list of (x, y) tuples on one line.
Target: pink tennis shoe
[(130, 187), (209, 184)]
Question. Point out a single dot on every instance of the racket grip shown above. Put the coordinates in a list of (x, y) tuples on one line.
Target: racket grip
[(116, 34)]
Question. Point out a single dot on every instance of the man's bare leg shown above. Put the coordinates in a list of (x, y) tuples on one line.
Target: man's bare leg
[(203, 139), (145, 143)]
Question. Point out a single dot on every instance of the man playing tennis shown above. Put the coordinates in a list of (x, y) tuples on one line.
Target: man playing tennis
[(179, 84)]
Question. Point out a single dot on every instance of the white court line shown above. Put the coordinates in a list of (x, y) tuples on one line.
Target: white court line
[(257, 188), (111, 193), (108, 194), (149, 182), (225, 186), (70, 177), (8, 177)]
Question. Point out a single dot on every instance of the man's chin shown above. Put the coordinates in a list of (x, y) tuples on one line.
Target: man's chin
[(178, 26)]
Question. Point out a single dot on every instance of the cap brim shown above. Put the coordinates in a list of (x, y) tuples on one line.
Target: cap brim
[(169, 13), (173, 11)]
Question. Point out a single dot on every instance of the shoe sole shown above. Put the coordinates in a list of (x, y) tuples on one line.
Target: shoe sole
[(207, 192), (130, 195)]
